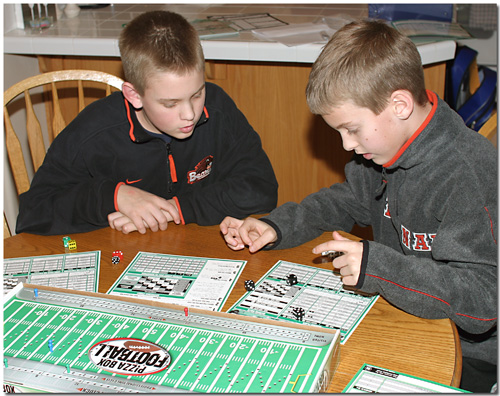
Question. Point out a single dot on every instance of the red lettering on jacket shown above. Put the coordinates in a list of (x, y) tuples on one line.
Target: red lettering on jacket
[(417, 241)]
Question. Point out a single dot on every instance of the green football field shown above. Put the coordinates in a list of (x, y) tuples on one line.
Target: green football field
[(213, 355)]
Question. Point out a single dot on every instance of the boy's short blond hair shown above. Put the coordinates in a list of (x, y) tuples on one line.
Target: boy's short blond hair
[(364, 63), (159, 41)]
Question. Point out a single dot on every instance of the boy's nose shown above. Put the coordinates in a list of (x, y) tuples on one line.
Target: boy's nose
[(187, 112), (349, 144)]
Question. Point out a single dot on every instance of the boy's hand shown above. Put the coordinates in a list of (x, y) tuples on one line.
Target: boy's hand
[(350, 262), (249, 232), (118, 221), (144, 210)]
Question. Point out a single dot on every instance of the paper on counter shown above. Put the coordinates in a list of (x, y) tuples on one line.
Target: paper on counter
[(296, 34)]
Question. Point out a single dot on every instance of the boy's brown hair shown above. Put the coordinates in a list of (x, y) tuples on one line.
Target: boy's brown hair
[(364, 63), (159, 41)]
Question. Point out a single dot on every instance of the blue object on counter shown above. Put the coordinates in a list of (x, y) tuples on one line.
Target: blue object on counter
[(395, 12)]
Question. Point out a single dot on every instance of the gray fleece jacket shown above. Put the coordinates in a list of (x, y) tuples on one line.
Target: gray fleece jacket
[(433, 210)]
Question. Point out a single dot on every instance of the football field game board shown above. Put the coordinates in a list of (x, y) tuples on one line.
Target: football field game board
[(299, 293), (57, 340)]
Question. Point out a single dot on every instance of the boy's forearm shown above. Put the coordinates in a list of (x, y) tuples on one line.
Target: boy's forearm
[(50, 210), (465, 293)]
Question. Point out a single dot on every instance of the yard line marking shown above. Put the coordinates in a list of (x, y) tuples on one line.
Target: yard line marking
[(271, 377), (200, 351), (48, 309), (193, 337), (75, 327), (158, 341), (93, 342), (180, 333), (311, 366), (222, 343), (24, 317)]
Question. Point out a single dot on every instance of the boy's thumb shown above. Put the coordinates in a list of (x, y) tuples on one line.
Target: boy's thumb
[(338, 237)]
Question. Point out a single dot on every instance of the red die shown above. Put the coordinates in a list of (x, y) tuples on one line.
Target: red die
[(118, 253)]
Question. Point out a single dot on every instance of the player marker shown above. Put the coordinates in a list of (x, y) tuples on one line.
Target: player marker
[(332, 254)]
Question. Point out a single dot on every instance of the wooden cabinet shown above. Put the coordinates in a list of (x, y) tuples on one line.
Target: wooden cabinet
[(306, 154)]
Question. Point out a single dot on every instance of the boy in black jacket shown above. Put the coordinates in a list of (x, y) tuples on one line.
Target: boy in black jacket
[(169, 147)]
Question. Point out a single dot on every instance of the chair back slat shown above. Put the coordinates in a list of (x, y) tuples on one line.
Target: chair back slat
[(58, 122), (35, 136), (15, 156), (490, 129), (6, 229), (81, 96)]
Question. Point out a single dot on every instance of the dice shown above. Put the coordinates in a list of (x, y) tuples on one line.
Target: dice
[(299, 313), (66, 240), (117, 256), (291, 280), (249, 285)]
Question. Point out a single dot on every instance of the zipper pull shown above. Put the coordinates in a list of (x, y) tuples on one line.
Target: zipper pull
[(382, 187), (173, 172)]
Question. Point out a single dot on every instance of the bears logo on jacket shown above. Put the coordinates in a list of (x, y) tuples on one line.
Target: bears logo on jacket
[(201, 170)]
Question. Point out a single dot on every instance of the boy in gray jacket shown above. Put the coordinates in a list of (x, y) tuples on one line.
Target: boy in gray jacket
[(425, 183)]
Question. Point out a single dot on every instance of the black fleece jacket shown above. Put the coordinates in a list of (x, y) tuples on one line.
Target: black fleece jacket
[(221, 170)]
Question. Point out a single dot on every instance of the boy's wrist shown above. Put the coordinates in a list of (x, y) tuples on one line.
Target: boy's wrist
[(276, 230), (364, 263), (115, 198)]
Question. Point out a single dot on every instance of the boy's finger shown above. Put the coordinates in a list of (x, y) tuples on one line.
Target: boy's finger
[(266, 238), (229, 222), (337, 237), (345, 245)]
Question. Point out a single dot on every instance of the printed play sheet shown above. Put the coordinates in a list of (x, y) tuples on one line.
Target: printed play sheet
[(196, 282), (372, 379), (75, 271), (310, 295)]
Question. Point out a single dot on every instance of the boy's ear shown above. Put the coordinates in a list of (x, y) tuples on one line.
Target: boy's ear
[(402, 104), (132, 95)]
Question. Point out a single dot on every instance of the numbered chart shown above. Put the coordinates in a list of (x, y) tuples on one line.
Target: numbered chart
[(299, 293), (373, 379), (196, 282), (76, 271)]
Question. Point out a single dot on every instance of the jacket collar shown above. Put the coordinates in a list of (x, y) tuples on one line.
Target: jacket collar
[(136, 131), (434, 100)]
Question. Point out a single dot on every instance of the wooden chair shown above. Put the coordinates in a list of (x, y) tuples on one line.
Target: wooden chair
[(490, 128), (58, 87), (33, 128)]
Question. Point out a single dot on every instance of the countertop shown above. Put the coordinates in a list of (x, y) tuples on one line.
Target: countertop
[(94, 32)]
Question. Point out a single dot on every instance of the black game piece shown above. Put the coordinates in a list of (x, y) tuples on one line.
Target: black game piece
[(115, 259), (291, 280), (249, 285), (332, 254), (298, 313)]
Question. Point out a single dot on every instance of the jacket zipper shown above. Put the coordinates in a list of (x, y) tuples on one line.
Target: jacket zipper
[(172, 171)]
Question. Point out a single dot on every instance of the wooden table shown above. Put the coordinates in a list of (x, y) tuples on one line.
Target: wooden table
[(387, 337)]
